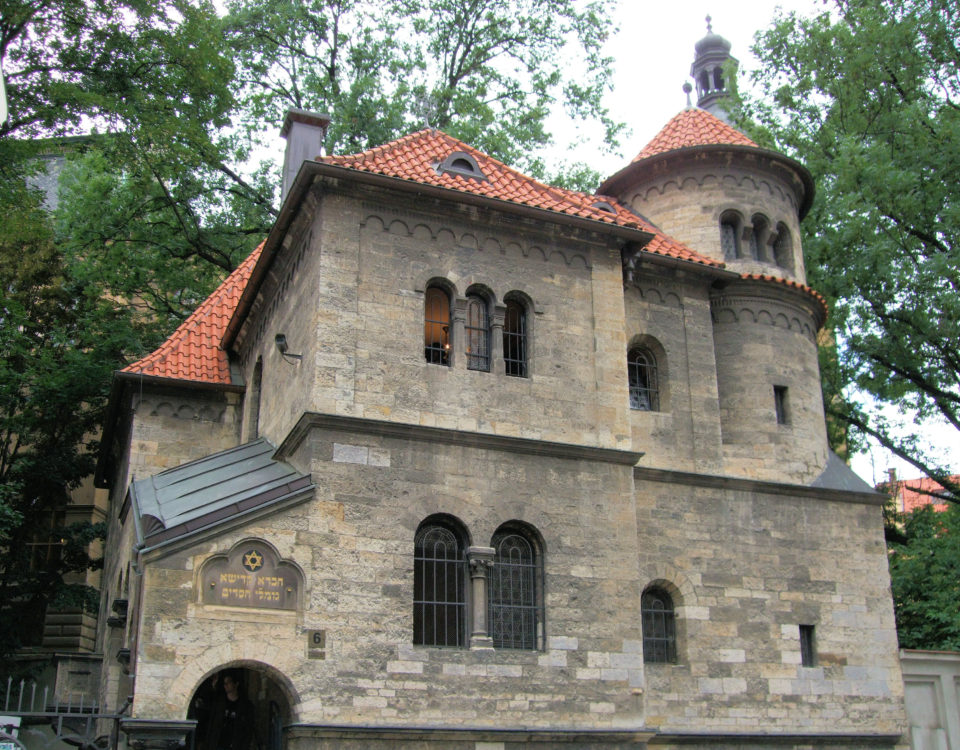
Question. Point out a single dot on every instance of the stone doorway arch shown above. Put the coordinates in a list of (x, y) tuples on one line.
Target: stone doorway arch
[(261, 720)]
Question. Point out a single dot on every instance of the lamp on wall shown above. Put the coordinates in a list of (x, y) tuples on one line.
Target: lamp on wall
[(281, 341)]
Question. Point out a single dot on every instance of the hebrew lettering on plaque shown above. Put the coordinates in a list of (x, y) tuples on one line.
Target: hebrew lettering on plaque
[(250, 575)]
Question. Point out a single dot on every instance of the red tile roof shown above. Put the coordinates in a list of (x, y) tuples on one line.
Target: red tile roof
[(911, 494), (693, 127), (416, 157), (192, 352)]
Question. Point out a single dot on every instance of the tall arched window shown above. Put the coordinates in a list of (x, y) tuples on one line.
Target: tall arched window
[(514, 596), (439, 585), (515, 339), (758, 238), (659, 627), (730, 235), (436, 326), (783, 247), (477, 334), (642, 376)]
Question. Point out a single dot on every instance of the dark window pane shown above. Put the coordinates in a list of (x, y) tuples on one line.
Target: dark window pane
[(659, 632), (642, 376), (478, 335), (515, 340), (513, 593)]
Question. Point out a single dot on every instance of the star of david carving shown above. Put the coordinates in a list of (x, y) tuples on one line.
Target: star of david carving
[(252, 560)]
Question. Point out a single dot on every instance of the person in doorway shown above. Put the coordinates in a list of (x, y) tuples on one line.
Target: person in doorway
[(231, 720)]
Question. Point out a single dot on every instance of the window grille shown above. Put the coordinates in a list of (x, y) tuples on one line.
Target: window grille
[(513, 606), (436, 327), (659, 628), (478, 334), (642, 376), (439, 578), (515, 340)]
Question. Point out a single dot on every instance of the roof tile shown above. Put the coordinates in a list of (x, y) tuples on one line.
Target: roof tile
[(693, 127), (192, 352)]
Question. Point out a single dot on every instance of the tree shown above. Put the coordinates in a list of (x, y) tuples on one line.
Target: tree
[(486, 71), (925, 579), (867, 95)]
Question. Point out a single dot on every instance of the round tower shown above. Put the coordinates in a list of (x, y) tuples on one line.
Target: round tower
[(712, 188)]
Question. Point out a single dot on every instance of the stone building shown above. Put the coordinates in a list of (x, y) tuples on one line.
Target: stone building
[(457, 459)]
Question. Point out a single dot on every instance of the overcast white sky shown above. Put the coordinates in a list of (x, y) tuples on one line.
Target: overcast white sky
[(653, 51)]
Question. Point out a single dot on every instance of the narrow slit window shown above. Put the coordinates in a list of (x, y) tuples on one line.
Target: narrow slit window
[(808, 646), (781, 404)]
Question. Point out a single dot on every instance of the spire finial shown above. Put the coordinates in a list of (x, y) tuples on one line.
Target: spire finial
[(709, 24), (687, 88)]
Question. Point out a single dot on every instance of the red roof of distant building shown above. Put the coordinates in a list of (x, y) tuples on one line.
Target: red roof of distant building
[(910, 494), (693, 127), (193, 350)]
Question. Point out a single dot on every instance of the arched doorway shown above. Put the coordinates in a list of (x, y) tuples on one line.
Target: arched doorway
[(239, 708)]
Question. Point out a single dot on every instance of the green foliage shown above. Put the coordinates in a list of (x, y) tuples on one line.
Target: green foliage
[(486, 71), (867, 96), (925, 579)]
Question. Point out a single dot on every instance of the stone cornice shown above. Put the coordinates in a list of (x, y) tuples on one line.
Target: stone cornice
[(469, 734), (782, 302), (485, 441), (740, 484)]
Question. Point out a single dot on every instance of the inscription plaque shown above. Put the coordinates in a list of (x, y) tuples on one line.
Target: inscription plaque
[(250, 576)]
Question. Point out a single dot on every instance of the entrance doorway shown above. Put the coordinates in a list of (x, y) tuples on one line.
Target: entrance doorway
[(239, 708)]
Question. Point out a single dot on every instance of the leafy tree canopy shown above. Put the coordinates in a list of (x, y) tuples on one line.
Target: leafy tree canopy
[(867, 95), (925, 579)]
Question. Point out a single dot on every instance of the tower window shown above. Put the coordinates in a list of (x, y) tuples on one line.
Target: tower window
[(781, 404), (730, 224), (718, 79), (436, 326), (642, 377)]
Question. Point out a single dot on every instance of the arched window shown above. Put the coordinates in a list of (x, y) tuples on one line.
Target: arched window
[(642, 376), (659, 627), (439, 585), (253, 401), (758, 239), (514, 591), (436, 326), (718, 79), (477, 334), (515, 339), (783, 247), (730, 235)]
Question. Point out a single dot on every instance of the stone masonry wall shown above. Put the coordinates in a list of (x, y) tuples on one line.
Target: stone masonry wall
[(354, 308), (354, 543), (746, 568)]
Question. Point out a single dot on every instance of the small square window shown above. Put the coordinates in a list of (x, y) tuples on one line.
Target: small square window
[(781, 404), (808, 646)]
